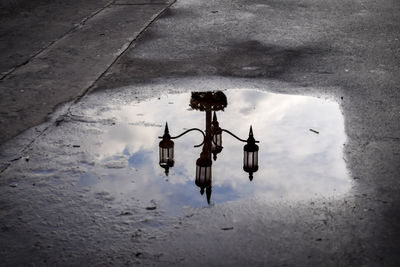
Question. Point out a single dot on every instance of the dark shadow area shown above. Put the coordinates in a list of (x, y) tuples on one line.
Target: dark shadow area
[(253, 59), (27, 27), (249, 59), (14, 7)]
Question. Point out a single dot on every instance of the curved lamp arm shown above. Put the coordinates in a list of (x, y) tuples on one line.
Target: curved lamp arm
[(185, 132), (242, 140)]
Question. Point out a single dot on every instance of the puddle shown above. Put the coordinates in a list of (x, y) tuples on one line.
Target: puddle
[(300, 149)]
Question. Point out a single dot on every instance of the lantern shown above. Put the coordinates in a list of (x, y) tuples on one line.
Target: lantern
[(250, 157), (216, 143), (203, 172), (166, 151)]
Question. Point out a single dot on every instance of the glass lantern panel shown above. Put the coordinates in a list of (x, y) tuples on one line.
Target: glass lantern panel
[(218, 140), (200, 174), (197, 173), (170, 153), (250, 159), (163, 155)]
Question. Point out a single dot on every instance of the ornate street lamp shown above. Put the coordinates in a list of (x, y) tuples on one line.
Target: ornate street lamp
[(212, 142), (166, 151), (216, 131), (250, 156)]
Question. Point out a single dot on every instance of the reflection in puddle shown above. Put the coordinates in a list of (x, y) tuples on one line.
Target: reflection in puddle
[(292, 161), (212, 142)]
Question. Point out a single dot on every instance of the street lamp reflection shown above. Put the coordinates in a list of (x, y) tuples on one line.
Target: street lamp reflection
[(216, 145), (166, 151), (250, 157), (212, 142), (203, 174)]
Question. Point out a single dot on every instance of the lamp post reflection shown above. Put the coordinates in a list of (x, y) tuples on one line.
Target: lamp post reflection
[(212, 142)]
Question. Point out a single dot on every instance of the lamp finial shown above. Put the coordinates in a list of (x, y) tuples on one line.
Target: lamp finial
[(251, 176), (166, 131), (208, 193)]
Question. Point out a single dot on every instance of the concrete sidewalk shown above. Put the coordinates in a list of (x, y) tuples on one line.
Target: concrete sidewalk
[(53, 51)]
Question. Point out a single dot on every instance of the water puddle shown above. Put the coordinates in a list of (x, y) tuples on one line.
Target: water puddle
[(300, 149)]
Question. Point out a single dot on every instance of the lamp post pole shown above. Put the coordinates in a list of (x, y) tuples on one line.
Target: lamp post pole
[(207, 142)]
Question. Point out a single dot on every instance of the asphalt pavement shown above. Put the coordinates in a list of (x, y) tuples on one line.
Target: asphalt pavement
[(52, 52)]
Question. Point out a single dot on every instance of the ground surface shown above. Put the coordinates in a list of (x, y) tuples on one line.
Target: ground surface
[(345, 50), (54, 51)]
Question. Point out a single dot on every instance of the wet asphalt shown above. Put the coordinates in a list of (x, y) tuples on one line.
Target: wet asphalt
[(344, 51)]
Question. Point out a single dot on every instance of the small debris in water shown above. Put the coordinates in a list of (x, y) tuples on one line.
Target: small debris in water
[(151, 208), (27, 158), (76, 146), (214, 11), (138, 254), (318, 239), (13, 185), (227, 228), (314, 131)]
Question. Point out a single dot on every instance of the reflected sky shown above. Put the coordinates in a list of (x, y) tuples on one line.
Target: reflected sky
[(294, 162)]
